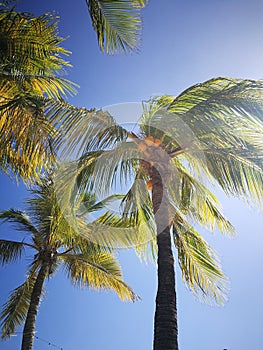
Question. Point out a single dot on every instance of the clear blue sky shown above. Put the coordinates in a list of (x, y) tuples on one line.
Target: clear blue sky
[(184, 42)]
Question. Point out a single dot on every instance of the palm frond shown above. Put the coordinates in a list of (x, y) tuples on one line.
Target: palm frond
[(30, 45), (136, 207), (45, 212), (99, 271), (117, 23), (238, 173), (96, 172), (110, 232), (31, 56), (199, 264), (10, 251), (111, 165), (219, 100), (46, 86), (155, 110), (82, 130), (26, 137), (89, 204), (218, 112), (31, 59), (15, 309), (20, 220), (195, 201), (69, 189)]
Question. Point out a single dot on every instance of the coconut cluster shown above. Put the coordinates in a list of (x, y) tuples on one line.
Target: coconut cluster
[(149, 147)]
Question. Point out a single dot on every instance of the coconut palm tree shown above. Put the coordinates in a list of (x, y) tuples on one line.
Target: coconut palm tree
[(211, 134), (30, 61), (54, 242), (117, 23)]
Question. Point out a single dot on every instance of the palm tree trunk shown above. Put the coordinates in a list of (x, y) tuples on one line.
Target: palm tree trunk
[(30, 324), (165, 320)]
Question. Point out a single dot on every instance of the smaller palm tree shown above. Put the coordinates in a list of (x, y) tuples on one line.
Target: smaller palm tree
[(54, 243)]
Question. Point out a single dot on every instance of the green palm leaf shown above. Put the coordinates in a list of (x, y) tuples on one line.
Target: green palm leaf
[(31, 59), (194, 200), (19, 219), (106, 229), (30, 44), (23, 150), (98, 271), (111, 232), (10, 251), (199, 264), (117, 23), (238, 173), (82, 129), (15, 309)]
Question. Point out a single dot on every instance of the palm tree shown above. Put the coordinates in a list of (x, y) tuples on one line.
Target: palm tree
[(117, 23), (30, 60), (54, 242), (209, 134)]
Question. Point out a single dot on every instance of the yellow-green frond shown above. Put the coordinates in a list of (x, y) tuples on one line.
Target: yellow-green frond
[(98, 271), (30, 45), (195, 201), (31, 59), (15, 309), (26, 137), (199, 264), (82, 130), (238, 173)]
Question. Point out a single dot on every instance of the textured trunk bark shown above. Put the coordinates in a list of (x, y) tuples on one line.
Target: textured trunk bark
[(165, 320), (29, 328)]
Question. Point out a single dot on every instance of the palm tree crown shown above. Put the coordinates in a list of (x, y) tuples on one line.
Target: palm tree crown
[(211, 133)]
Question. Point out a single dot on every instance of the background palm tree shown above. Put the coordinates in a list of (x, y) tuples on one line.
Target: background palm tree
[(211, 133), (30, 60), (54, 242)]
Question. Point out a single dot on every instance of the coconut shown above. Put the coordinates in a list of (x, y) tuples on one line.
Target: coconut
[(142, 147), (149, 185), (157, 142), (149, 140)]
